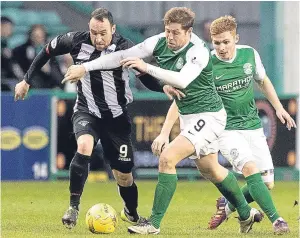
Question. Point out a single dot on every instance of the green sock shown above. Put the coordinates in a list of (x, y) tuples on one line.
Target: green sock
[(262, 196), (247, 195), (164, 192), (232, 192)]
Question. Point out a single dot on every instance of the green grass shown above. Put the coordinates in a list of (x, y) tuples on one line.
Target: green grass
[(34, 209)]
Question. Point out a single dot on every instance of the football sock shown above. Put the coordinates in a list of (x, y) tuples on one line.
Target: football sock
[(79, 170), (130, 198), (262, 196), (164, 192), (232, 192), (247, 195)]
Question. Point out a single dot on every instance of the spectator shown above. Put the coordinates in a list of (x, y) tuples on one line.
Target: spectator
[(206, 33), (49, 75), (8, 69)]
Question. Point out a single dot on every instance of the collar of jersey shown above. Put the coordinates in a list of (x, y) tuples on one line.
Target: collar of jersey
[(228, 61)]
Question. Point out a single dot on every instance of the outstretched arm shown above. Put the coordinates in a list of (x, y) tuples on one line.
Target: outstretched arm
[(112, 61), (197, 59), (58, 46), (163, 139), (268, 90)]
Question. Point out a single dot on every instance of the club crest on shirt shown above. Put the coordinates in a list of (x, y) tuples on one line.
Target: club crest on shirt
[(234, 153), (179, 63), (247, 68), (54, 43)]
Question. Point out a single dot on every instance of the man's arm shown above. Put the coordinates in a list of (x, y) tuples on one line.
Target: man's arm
[(268, 90), (112, 61), (60, 45), (171, 118), (163, 139), (151, 83), (197, 59)]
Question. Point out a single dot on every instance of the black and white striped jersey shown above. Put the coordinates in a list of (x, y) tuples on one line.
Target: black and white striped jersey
[(104, 94)]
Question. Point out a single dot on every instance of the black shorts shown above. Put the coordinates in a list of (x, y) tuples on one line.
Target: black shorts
[(114, 135)]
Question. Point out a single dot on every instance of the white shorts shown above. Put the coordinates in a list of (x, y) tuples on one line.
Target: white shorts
[(242, 146), (203, 130)]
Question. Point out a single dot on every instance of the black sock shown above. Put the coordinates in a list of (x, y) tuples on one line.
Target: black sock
[(79, 170), (130, 198)]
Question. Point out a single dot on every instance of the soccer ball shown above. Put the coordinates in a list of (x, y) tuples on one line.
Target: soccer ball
[(101, 218)]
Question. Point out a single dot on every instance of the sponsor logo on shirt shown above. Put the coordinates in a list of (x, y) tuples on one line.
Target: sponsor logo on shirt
[(237, 84), (54, 43)]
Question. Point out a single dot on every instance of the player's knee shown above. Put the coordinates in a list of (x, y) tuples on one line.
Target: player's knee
[(165, 162), (270, 185), (249, 168), (124, 180), (84, 147)]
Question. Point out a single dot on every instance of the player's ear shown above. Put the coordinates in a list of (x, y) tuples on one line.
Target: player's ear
[(190, 30), (237, 38), (113, 29)]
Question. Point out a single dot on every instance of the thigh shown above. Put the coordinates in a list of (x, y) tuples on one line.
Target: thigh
[(235, 148), (179, 149), (203, 130), (260, 149), (116, 143), (84, 123)]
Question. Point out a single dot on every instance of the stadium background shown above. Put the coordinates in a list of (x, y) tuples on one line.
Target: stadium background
[(36, 134)]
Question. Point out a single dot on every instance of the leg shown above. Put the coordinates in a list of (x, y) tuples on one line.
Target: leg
[(79, 166), (176, 151), (227, 184), (129, 193), (117, 147)]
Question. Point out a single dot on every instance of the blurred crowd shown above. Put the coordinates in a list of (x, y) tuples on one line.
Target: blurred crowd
[(16, 61)]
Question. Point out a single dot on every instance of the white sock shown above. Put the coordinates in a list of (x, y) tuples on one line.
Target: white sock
[(227, 210), (279, 218)]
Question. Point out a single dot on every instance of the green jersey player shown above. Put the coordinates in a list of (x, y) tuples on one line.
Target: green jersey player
[(243, 142), (184, 62)]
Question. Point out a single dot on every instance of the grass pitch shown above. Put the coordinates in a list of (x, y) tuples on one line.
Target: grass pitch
[(34, 209)]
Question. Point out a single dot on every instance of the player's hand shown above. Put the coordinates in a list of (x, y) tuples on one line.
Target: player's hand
[(134, 62), (285, 117), (172, 92), (21, 90), (74, 73), (159, 144)]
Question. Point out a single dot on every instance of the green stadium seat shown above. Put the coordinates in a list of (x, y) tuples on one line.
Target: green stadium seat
[(14, 4), (13, 14), (50, 18), (16, 40), (57, 30)]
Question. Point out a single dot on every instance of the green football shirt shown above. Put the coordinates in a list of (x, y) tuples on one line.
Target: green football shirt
[(201, 94), (234, 83)]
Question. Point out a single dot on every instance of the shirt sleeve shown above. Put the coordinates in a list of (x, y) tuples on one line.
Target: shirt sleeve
[(61, 44), (112, 61), (260, 73), (197, 59)]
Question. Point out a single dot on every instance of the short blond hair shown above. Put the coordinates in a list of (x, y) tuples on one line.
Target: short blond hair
[(180, 15), (223, 24)]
